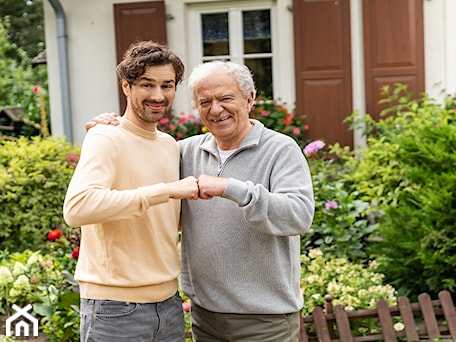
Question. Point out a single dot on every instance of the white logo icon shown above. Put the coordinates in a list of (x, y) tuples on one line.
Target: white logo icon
[(22, 325)]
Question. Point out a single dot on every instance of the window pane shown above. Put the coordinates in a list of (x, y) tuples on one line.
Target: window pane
[(257, 31), (262, 75), (215, 34)]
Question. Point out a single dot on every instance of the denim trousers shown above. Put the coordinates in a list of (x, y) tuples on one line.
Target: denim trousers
[(109, 321)]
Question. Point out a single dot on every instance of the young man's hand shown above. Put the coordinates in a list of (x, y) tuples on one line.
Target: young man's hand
[(184, 188)]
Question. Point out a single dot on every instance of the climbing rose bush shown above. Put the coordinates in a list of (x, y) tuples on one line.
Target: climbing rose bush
[(275, 115)]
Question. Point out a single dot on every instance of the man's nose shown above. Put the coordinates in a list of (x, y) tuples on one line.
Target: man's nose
[(216, 108), (156, 94)]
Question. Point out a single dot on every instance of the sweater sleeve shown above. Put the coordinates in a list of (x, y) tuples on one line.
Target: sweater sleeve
[(284, 206), (90, 197)]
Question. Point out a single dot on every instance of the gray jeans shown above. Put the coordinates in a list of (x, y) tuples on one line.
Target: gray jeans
[(109, 321)]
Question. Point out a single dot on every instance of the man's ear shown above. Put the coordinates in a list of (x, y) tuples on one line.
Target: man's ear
[(126, 88), (250, 101)]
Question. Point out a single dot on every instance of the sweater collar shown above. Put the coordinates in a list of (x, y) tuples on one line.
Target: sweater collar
[(131, 127)]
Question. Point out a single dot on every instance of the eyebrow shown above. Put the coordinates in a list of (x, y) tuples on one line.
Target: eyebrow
[(147, 79), (227, 93)]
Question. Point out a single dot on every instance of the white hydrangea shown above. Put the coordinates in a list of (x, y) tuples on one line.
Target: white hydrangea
[(5, 276), (19, 268), (35, 258), (22, 283)]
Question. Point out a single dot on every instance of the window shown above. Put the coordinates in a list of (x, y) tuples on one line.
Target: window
[(237, 31)]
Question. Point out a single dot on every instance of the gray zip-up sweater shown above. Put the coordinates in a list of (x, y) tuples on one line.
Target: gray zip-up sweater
[(241, 251)]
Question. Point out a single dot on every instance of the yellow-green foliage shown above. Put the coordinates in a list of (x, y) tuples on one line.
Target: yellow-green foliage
[(34, 175)]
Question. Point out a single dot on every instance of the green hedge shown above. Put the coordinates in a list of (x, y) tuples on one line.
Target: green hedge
[(34, 175), (407, 172)]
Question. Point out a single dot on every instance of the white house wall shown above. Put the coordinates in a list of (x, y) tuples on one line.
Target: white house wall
[(92, 55), (440, 47)]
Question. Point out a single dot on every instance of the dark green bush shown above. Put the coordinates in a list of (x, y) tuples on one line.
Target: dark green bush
[(34, 175), (408, 173)]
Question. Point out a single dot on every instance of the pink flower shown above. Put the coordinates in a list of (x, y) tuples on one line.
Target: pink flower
[(46, 263), (313, 147), (264, 113), (296, 131), (72, 159), (164, 121), (36, 89), (172, 127), (306, 127), (331, 205), (186, 306)]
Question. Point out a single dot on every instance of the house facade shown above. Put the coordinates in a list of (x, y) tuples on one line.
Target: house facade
[(323, 58)]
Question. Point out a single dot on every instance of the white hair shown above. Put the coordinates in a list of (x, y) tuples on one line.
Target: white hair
[(240, 72)]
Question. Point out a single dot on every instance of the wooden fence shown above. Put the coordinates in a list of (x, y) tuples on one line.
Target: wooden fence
[(431, 320)]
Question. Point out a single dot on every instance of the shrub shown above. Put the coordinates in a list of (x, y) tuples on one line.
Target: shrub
[(181, 127), (44, 279), (355, 286), (341, 226), (407, 171), (275, 115), (34, 175)]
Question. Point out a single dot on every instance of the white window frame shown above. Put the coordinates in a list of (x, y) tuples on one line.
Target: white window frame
[(234, 9)]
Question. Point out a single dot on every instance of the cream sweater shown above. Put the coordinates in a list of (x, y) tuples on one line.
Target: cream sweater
[(129, 225)]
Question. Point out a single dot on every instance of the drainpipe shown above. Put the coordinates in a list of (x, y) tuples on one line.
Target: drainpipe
[(63, 66)]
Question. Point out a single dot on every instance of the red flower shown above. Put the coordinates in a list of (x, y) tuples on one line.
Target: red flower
[(36, 89), (54, 234), (287, 121), (75, 253)]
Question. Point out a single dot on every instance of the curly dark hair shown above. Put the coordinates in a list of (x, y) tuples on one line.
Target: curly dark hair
[(141, 55)]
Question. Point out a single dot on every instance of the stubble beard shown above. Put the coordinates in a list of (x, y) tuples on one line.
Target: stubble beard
[(144, 115)]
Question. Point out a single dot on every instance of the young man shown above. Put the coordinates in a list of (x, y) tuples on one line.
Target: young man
[(125, 193), (241, 247)]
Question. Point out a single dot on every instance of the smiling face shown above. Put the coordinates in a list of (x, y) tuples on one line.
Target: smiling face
[(223, 108), (151, 96)]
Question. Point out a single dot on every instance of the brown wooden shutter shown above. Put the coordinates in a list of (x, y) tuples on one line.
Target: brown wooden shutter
[(138, 21), (323, 67), (393, 47)]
